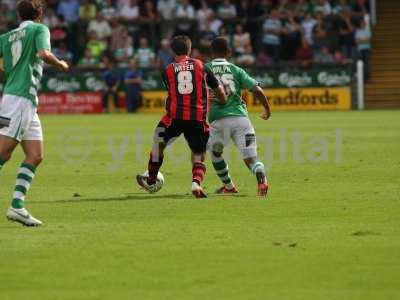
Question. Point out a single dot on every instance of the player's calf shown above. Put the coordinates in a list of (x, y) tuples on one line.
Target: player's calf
[(198, 173), (222, 170), (258, 169)]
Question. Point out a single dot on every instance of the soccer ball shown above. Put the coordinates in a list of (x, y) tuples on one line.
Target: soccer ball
[(159, 181)]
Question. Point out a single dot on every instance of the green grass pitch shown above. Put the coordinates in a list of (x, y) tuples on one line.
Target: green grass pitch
[(330, 228)]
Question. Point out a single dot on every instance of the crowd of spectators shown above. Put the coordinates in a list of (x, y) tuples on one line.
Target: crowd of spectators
[(261, 32)]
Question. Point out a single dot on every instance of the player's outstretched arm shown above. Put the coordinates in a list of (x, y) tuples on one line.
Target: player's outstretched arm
[(259, 95), (51, 59)]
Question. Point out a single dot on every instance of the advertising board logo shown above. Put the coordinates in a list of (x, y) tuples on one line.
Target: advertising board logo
[(63, 85), (94, 84), (294, 80), (333, 79)]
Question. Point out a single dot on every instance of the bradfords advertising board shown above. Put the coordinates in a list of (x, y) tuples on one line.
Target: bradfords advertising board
[(281, 99)]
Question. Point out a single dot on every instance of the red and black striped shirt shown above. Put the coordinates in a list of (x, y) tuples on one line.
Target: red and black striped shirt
[(186, 80)]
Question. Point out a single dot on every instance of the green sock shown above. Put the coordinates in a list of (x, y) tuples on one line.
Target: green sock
[(222, 169), (25, 176)]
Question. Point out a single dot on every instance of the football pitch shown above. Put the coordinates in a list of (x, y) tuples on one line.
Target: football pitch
[(329, 229)]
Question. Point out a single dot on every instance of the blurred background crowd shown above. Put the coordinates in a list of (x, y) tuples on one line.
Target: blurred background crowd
[(90, 33)]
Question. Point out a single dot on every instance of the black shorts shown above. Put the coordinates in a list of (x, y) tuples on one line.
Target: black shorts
[(196, 133)]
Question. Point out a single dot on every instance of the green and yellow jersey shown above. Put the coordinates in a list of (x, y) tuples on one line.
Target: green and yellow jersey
[(234, 79), (23, 68)]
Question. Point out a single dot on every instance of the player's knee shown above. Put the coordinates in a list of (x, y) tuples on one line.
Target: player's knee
[(34, 158), (216, 154), (5, 156), (6, 153)]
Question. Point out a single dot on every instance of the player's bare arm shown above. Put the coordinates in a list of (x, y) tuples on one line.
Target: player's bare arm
[(259, 95), (51, 59)]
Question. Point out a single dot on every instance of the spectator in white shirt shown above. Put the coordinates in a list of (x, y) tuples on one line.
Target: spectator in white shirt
[(145, 56), (363, 41), (227, 10), (130, 11), (272, 30), (215, 24), (203, 15), (100, 26), (241, 40), (324, 6), (308, 25), (122, 3), (186, 13), (166, 9)]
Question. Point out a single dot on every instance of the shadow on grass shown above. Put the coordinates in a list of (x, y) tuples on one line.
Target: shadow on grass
[(128, 197), (135, 197)]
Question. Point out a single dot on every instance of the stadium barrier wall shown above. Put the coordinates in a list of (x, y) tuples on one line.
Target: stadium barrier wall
[(316, 88)]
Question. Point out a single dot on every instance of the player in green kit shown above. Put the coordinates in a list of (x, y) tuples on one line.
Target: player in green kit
[(24, 50), (230, 121)]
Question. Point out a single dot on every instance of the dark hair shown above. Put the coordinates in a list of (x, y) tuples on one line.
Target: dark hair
[(30, 10), (181, 45), (220, 47)]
